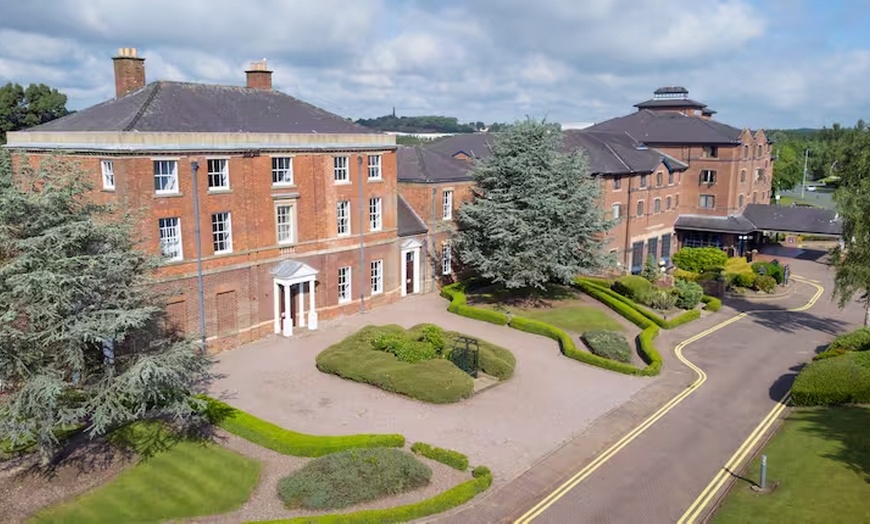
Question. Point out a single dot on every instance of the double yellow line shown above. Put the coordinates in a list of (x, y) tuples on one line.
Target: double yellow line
[(599, 461)]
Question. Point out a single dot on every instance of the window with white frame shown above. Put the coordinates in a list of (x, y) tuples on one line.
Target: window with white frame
[(616, 211), (657, 205), (166, 176), (708, 176), (218, 174), (643, 181), (170, 238), (446, 259), (375, 219), (340, 170), (108, 169), (222, 232), (282, 170), (447, 204), (343, 217), (374, 167), (707, 201), (344, 284), (286, 223), (377, 276)]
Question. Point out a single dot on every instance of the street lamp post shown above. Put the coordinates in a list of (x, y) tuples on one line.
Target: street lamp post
[(804, 184), (194, 167)]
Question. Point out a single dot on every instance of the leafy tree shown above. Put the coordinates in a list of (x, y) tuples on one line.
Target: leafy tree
[(536, 215), (83, 338), (651, 270), (852, 261), (21, 108)]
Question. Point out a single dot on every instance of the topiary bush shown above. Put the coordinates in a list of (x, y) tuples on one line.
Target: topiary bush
[(632, 286), (744, 280), (404, 348), (858, 340), (608, 344), (711, 303), (688, 294), (765, 283), (841, 380), (351, 477), (700, 259)]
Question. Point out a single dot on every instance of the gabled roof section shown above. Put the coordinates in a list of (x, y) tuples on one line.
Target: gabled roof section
[(475, 145), (409, 222), (794, 219), (421, 164), (730, 224), (293, 270), (184, 107), (617, 153), (670, 127)]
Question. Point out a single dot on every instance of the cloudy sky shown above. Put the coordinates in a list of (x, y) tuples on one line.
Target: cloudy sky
[(760, 63)]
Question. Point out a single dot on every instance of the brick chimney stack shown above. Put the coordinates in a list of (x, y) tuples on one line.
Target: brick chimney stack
[(129, 71), (259, 76)]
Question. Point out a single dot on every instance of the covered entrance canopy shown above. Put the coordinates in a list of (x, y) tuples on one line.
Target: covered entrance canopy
[(290, 278)]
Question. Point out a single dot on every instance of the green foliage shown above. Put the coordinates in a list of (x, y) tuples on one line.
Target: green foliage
[(404, 348), (682, 274), (535, 218), (82, 336), (454, 459), (418, 124), (459, 304), (638, 315), (657, 298), (496, 361), (765, 283), (444, 501), (700, 259), (688, 294), (841, 380), (711, 303), (352, 477), (632, 286), (651, 270), (858, 340), (434, 336), (739, 273), (21, 108), (830, 353), (608, 344), (772, 269), (288, 442), (744, 280)]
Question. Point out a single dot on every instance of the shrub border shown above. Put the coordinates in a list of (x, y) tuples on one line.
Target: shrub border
[(448, 457), (679, 320), (455, 293)]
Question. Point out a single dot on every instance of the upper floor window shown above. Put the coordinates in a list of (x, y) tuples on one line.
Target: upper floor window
[(759, 174), (745, 152), (760, 151), (707, 201), (659, 179), (222, 232), (670, 178), (166, 176), (708, 176), (286, 223), (617, 183), (377, 277), (170, 238), (374, 167), (375, 217), (657, 205), (643, 181), (742, 176), (754, 197), (616, 211), (343, 216), (282, 170), (640, 208), (447, 204), (740, 201), (340, 171), (710, 152), (108, 169), (218, 174), (677, 200), (667, 203)]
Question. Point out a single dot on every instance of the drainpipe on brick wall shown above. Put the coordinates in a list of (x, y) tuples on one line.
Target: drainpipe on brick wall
[(626, 257), (431, 251), (194, 167), (362, 249)]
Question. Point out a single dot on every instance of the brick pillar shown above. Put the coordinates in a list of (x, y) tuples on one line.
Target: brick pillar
[(129, 71)]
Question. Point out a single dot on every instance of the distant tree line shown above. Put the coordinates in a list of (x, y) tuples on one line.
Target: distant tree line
[(425, 124), (827, 148), (27, 107)]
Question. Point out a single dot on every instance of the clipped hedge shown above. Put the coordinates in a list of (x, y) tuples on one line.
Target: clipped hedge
[(632, 286), (454, 459), (841, 380), (288, 442), (711, 303), (679, 320), (858, 340), (608, 344), (700, 259), (453, 497), (496, 361), (455, 293)]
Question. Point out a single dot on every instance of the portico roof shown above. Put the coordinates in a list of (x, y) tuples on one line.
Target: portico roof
[(293, 270)]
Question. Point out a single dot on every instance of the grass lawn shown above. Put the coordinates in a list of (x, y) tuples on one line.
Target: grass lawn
[(785, 201), (175, 479), (821, 459), (574, 318)]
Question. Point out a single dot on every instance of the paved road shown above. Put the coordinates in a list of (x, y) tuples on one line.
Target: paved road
[(750, 365)]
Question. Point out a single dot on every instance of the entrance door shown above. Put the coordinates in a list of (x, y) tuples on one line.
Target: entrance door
[(409, 272), (293, 315)]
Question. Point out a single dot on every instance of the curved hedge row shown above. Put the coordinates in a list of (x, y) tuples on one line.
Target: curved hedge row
[(453, 497), (454, 459), (455, 293), (711, 303), (679, 320), (841, 380)]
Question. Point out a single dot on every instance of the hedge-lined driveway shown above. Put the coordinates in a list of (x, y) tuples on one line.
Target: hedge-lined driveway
[(549, 400)]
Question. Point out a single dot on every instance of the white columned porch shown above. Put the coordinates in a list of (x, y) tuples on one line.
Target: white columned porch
[(312, 313), (301, 307), (287, 274), (276, 305), (288, 312), (410, 246)]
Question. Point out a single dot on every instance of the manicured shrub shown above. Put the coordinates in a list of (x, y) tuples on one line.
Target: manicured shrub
[(688, 294), (404, 348), (454, 459), (496, 361), (700, 259), (772, 269), (682, 274), (434, 336), (352, 477), (284, 441), (661, 299), (858, 340), (711, 303), (684, 318), (481, 472), (765, 283), (632, 286), (841, 380), (486, 315), (744, 280), (608, 344), (651, 271), (737, 265), (830, 353)]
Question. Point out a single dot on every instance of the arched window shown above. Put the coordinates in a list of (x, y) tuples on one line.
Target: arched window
[(740, 201)]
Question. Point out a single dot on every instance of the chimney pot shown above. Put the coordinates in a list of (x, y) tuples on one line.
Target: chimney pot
[(259, 76), (129, 71)]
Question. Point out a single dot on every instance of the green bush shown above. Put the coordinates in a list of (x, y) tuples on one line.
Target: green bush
[(454, 459), (651, 271), (772, 269), (404, 348), (608, 344), (287, 442), (352, 477), (630, 310), (700, 259), (682, 274), (434, 336), (444, 501), (711, 303), (496, 361), (459, 305), (632, 286), (841, 380), (858, 340), (661, 299), (744, 280), (688, 294), (765, 283), (830, 353)]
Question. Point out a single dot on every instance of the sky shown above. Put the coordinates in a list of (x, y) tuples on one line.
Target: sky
[(759, 63)]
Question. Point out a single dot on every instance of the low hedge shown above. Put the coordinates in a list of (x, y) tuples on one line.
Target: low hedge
[(858, 340), (289, 442), (454, 459), (455, 293), (496, 361), (841, 380), (453, 497), (711, 303), (679, 320)]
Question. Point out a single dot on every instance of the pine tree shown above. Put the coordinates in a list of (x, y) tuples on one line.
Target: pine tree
[(536, 215), (83, 338)]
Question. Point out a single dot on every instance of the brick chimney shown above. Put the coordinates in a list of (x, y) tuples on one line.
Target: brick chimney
[(129, 71), (259, 76)]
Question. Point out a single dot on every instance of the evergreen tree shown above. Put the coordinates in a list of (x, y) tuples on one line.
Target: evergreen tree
[(536, 216), (83, 338)]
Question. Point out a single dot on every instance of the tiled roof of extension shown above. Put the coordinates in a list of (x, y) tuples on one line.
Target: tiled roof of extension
[(409, 223), (421, 164), (183, 107), (761, 217), (670, 127)]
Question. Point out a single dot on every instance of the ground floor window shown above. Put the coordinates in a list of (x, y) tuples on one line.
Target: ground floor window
[(701, 239), (637, 257), (377, 277), (653, 249), (344, 284), (446, 259), (666, 247)]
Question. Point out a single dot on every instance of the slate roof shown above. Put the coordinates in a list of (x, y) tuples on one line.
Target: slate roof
[(761, 217), (668, 90), (730, 224), (165, 106), (670, 102), (475, 145), (616, 153), (289, 269), (420, 164), (670, 127), (409, 223)]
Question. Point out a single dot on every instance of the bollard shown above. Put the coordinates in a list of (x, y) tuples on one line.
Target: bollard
[(763, 471)]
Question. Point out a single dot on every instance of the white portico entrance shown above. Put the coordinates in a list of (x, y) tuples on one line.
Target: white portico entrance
[(410, 266), (292, 280)]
